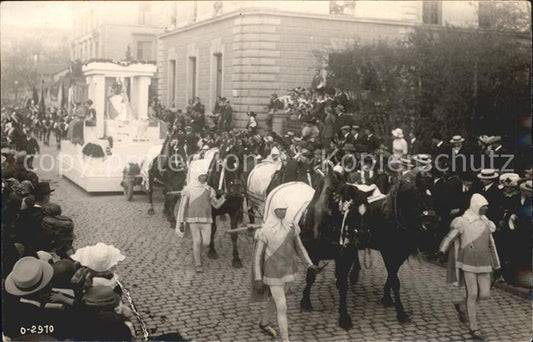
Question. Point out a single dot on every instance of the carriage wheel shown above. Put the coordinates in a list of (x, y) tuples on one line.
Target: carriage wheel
[(128, 190)]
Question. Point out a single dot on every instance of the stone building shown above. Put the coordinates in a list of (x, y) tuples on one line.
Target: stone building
[(247, 50)]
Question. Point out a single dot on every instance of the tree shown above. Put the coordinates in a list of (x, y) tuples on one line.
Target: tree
[(505, 16), (452, 81)]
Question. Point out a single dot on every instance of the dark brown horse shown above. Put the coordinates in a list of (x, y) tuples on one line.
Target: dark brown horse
[(329, 233), (169, 170), (226, 177), (397, 226)]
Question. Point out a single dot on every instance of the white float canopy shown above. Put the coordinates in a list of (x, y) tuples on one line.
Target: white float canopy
[(140, 75)]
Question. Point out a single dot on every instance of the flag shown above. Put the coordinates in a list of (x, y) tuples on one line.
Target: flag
[(35, 96), (41, 102), (59, 94), (64, 99)]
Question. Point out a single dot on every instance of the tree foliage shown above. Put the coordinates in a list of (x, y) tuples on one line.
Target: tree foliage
[(452, 81)]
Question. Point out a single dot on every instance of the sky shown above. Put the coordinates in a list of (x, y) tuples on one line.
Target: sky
[(37, 14)]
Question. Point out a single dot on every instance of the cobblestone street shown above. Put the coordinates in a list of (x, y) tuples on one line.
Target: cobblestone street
[(214, 306)]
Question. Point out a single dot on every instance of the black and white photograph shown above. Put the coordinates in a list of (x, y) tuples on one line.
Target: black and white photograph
[(241, 171)]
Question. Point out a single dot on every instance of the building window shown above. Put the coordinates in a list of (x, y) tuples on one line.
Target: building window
[(218, 74), (192, 77), (342, 7), (144, 51), (144, 13), (432, 12), (172, 84)]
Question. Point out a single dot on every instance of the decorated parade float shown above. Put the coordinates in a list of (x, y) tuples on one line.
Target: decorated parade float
[(97, 150)]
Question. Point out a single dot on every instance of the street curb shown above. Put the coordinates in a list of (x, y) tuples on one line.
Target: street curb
[(517, 291)]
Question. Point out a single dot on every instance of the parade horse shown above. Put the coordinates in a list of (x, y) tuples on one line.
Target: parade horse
[(397, 226), (329, 233), (225, 175), (169, 169)]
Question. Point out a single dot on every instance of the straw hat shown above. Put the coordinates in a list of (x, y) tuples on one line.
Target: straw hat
[(527, 186), (487, 174), (99, 257), (29, 275), (457, 139)]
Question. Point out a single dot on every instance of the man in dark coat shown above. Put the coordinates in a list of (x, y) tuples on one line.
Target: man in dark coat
[(226, 116), (343, 119), (438, 147), (414, 144), (488, 187), (28, 227), (371, 142)]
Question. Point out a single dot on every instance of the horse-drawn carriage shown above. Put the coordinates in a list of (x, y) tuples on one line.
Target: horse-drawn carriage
[(135, 175)]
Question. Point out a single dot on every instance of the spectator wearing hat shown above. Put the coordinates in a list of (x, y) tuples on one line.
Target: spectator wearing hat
[(32, 301), (510, 205), (31, 146), (371, 142), (101, 260), (252, 123), (28, 227), (343, 119), (399, 144), (226, 116), (519, 270), (310, 130), (459, 156), (488, 187), (99, 320), (414, 144), (438, 147), (358, 139), (328, 132), (500, 156), (296, 146), (345, 136)]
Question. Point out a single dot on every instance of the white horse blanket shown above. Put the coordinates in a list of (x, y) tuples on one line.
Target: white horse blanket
[(297, 195), (147, 162), (259, 179)]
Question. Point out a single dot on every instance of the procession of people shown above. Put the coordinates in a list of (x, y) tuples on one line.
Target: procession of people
[(484, 212)]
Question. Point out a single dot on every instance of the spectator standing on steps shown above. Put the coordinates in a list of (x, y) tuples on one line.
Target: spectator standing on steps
[(195, 209)]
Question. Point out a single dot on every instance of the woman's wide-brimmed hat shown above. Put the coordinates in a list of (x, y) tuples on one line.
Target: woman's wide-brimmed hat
[(509, 180), (29, 275), (457, 139), (99, 257), (488, 174), (397, 133), (424, 159)]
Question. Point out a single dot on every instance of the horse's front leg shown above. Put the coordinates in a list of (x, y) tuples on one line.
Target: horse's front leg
[(343, 264), (305, 303), (356, 268), (393, 266), (236, 262), (395, 283)]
